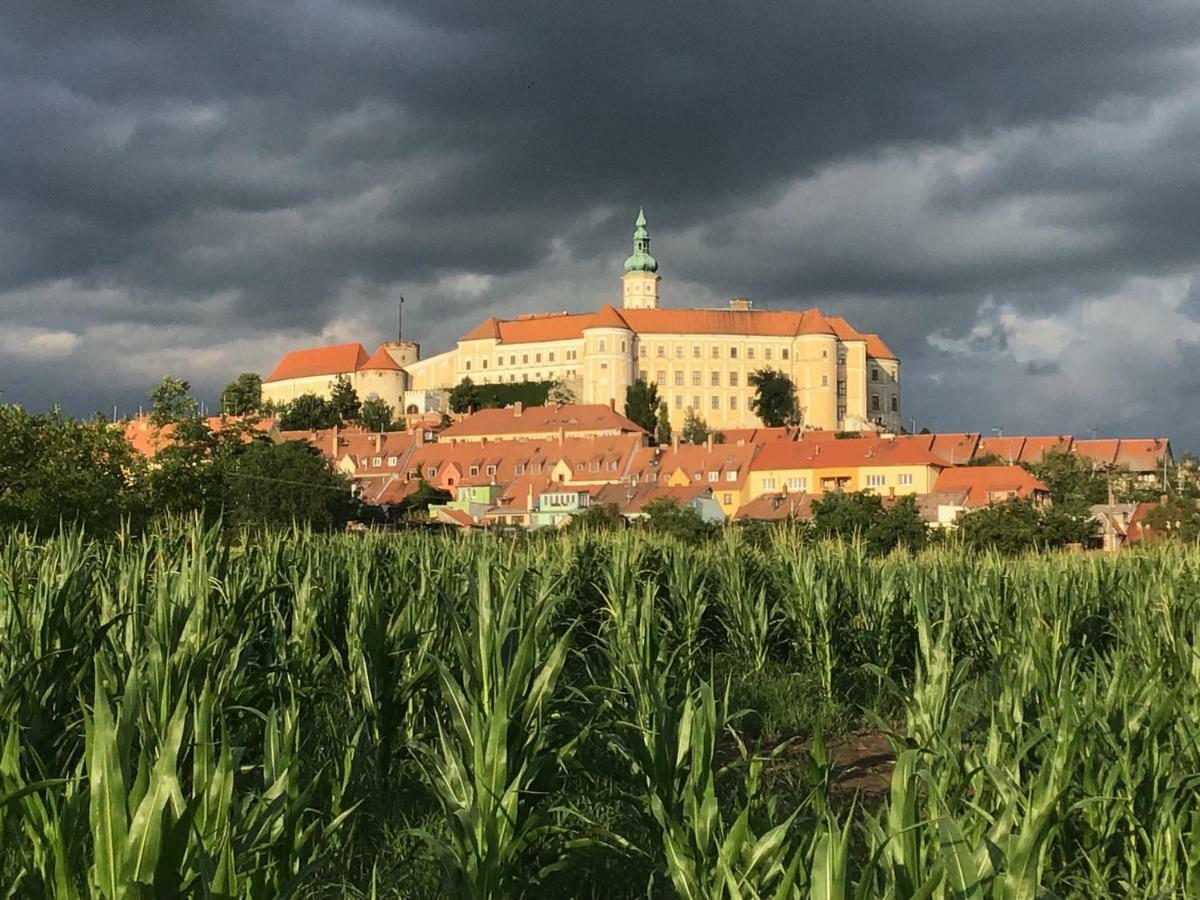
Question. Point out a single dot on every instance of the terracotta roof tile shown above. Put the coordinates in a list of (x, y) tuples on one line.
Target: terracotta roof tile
[(776, 507), (571, 417), (316, 361), (989, 484), (381, 359), (847, 453)]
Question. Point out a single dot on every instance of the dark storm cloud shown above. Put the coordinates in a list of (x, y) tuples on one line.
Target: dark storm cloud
[(246, 168)]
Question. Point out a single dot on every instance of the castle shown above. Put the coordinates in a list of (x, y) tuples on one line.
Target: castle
[(700, 359)]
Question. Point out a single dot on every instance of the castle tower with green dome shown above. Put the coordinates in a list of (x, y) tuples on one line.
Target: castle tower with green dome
[(639, 283)]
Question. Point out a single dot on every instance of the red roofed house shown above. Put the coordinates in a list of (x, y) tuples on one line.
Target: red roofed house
[(984, 485)]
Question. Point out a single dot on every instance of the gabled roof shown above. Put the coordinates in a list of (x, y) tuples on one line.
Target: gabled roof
[(485, 330), (607, 317), (339, 359), (1142, 454), (659, 463), (776, 507), (987, 484), (381, 359), (512, 421), (633, 498), (845, 453)]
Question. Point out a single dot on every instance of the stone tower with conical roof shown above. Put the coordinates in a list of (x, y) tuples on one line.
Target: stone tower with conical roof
[(639, 283)]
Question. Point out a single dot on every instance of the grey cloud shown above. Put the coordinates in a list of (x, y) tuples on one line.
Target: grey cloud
[(262, 169)]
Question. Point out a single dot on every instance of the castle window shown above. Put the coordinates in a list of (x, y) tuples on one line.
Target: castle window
[(824, 354), (716, 402), (642, 352), (660, 378), (679, 378), (733, 352), (824, 381), (604, 365), (679, 351), (601, 345), (524, 359), (767, 353), (841, 357), (468, 365), (894, 404), (512, 377), (716, 352), (749, 353), (679, 401), (512, 360), (485, 362), (841, 389), (695, 351), (538, 358), (785, 352), (696, 378), (874, 374), (643, 375), (841, 413), (623, 347), (733, 402), (874, 403), (662, 351), (695, 402), (733, 379), (551, 355)]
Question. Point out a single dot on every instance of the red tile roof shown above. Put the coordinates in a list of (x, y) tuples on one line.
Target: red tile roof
[(777, 507), (630, 498), (315, 361), (381, 359), (512, 422), (989, 484), (846, 453), (760, 435), (657, 464), (1103, 451)]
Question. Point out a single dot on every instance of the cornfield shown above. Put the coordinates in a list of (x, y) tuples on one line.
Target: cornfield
[(190, 713)]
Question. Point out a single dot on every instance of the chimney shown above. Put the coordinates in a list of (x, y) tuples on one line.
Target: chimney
[(334, 446), (377, 440), (518, 408), (612, 403), (675, 440), (562, 434), (708, 442)]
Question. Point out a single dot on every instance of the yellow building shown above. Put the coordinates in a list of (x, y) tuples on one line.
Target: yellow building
[(875, 465), (700, 359)]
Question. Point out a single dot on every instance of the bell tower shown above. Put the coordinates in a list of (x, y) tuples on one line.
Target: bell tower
[(639, 284)]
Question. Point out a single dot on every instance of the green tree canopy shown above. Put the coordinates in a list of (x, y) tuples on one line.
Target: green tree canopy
[(268, 484), (54, 469), (308, 412), (641, 404), (662, 426), (774, 401), (464, 397), (375, 415), (172, 401), (1017, 525), (665, 515), (243, 395), (846, 515), (344, 399), (900, 526), (695, 430), (1072, 478)]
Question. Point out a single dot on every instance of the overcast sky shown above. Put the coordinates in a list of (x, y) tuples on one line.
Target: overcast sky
[(1008, 192)]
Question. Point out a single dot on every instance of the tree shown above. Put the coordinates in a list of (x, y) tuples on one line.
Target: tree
[(1071, 478), (171, 401), (695, 430), (666, 516), (306, 413), (344, 399), (839, 515), (269, 484), (900, 526), (375, 415), (243, 395), (1010, 527), (57, 470), (183, 478), (662, 429), (559, 393), (1179, 518), (641, 404), (464, 397), (603, 516), (418, 502), (774, 400)]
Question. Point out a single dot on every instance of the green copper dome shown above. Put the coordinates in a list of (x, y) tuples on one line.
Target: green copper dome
[(641, 260)]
